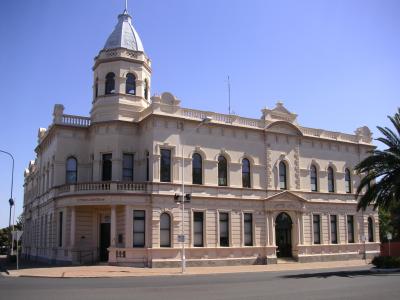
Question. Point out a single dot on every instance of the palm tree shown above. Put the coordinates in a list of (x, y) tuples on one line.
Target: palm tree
[(382, 170)]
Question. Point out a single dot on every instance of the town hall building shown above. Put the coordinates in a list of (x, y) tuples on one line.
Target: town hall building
[(109, 187)]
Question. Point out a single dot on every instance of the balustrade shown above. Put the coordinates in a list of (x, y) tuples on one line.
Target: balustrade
[(75, 120)]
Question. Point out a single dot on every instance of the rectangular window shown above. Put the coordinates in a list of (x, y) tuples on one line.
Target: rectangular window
[(165, 165), (139, 228), (248, 229), (41, 232), (60, 229), (224, 229), (51, 231), (46, 226), (350, 229), (333, 229), (106, 167), (147, 166), (347, 186), (127, 167), (316, 229), (198, 217)]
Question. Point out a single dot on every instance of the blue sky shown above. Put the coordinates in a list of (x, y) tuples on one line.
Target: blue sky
[(334, 63)]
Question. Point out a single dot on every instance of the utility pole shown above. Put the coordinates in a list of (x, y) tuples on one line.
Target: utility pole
[(11, 200)]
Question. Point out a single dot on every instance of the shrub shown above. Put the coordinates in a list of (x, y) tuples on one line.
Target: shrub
[(386, 262)]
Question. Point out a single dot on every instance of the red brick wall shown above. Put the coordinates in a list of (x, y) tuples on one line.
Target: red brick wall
[(394, 249)]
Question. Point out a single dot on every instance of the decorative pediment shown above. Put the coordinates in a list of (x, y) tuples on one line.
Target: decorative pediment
[(285, 201), (279, 113), (284, 127)]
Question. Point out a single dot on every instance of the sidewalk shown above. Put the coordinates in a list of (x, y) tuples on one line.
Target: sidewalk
[(114, 271)]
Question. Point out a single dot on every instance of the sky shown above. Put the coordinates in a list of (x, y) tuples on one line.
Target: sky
[(334, 63)]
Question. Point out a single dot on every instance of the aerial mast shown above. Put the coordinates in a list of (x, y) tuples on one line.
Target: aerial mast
[(229, 96)]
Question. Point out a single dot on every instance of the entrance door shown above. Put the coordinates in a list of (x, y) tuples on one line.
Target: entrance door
[(283, 234), (104, 240)]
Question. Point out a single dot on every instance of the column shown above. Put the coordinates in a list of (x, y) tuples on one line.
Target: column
[(128, 227), (272, 230), (346, 237), (267, 225), (311, 229), (302, 227), (330, 229), (113, 229), (298, 228), (73, 227)]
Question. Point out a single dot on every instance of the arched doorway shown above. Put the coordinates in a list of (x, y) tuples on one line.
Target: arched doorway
[(283, 235)]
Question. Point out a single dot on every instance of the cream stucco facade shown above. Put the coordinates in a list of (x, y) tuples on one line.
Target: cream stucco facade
[(103, 187)]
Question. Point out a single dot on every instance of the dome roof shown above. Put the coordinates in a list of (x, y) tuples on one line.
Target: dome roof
[(124, 35)]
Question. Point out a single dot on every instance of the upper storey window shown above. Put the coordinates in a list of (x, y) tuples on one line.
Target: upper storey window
[(222, 171), (282, 176), (130, 86), (110, 83), (165, 165), (96, 88), (146, 89), (106, 167), (147, 166), (331, 180), (246, 173), (313, 178), (197, 169), (127, 167), (72, 170), (347, 178)]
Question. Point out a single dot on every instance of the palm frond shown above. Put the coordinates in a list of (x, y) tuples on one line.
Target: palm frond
[(380, 171)]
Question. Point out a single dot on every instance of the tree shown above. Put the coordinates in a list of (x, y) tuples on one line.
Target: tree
[(5, 235), (382, 170)]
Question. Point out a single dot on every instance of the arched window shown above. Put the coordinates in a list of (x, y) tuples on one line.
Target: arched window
[(165, 230), (347, 177), (331, 180), (197, 169), (130, 85), (222, 171), (282, 176), (72, 170), (96, 88), (246, 173), (146, 89), (370, 230), (110, 83), (313, 178)]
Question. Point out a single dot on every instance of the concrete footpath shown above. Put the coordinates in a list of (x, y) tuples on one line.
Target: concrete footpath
[(99, 271)]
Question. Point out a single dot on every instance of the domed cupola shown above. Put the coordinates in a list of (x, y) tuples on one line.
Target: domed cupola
[(121, 75), (124, 35)]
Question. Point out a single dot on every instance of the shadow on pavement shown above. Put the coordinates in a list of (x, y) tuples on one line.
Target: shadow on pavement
[(345, 274), (6, 266)]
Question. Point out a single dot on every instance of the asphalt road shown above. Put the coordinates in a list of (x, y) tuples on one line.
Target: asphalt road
[(337, 284)]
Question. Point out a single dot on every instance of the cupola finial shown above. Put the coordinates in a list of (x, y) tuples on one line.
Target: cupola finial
[(126, 5)]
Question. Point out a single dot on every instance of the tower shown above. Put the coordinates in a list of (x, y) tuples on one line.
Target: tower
[(122, 75)]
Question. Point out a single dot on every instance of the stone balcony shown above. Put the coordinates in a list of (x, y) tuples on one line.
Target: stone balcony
[(101, 187)]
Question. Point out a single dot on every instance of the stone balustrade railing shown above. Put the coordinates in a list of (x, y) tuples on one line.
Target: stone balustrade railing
[(260, 124), (103, 187), (75, 120), (130, 186), (79, 121)]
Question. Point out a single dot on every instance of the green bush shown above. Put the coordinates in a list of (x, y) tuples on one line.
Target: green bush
[(386, 262)]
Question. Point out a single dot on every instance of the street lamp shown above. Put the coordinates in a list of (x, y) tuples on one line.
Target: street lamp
[(11, 200), (206, 120)]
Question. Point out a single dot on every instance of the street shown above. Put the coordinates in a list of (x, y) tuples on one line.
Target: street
[(353, 283)]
